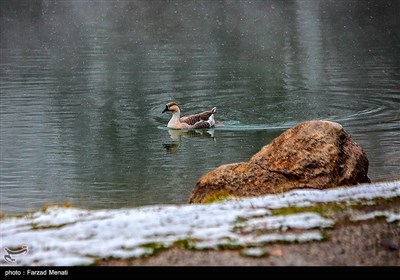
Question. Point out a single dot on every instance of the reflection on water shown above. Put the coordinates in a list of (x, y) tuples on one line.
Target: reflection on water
[(83, 84), (177, 135)]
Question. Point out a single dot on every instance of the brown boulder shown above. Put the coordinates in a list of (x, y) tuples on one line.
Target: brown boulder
[(314, 154)]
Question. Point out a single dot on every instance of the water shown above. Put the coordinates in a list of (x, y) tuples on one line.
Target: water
[(83, 85)]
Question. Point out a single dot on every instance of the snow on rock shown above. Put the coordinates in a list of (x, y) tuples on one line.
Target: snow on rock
[(304, 198), (255, 240), (70, 236), (390, 216), (299, 221)]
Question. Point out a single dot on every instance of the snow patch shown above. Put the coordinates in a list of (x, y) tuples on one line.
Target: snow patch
[(390, 216), (253, 252), (285, 222)]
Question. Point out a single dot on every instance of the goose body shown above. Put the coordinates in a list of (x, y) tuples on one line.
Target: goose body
[(196, 121)]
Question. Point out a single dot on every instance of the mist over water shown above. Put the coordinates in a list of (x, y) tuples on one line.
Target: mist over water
[(83, 85)]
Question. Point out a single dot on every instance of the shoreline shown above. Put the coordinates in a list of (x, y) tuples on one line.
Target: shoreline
[(358, 225)]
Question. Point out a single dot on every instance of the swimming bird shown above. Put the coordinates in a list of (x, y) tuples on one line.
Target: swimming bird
[(201, 120)]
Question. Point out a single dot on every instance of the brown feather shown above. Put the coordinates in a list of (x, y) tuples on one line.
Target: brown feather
[(193, 119), (202, 124)]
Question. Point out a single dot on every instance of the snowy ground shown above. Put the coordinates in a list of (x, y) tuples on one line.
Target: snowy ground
[(70, 236)]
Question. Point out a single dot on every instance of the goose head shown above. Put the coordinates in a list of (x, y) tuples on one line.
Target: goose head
[(172, 107)]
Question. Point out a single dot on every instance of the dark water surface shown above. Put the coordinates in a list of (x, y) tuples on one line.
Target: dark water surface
[(83, 85)]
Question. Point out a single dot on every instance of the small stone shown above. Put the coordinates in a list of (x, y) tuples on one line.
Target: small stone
[(253, 252), (276, 253)]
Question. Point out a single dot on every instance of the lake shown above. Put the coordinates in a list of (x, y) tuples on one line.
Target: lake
[(83, 85)]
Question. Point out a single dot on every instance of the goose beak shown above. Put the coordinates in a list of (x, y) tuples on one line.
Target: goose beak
[(166, 109)]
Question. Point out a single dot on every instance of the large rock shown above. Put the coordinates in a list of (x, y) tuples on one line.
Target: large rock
[(314, 154)]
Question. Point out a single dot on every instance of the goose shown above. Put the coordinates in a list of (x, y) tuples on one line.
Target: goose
[(201, 120)]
